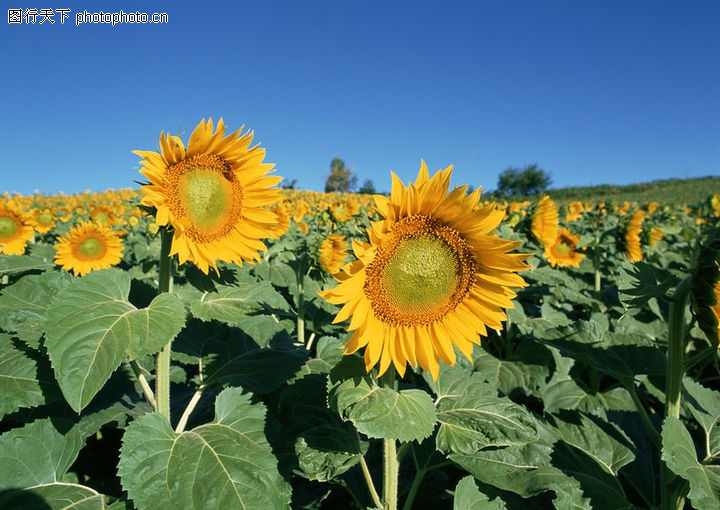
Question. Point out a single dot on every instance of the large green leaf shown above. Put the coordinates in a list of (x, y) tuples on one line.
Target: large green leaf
[(92, 328), (473, 420), (379, 412), (232, 304), (678, 452), (26, 379), (704, 405), (642, 283), (525, 470), (527, 369), (53, 496), (469, 497), (219, 465), (37, 453), (16, 264), (24, 303)]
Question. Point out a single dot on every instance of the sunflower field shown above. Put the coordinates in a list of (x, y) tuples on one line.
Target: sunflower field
[(210, 341)]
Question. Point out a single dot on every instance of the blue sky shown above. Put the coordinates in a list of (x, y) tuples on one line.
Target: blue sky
[(593, 91)]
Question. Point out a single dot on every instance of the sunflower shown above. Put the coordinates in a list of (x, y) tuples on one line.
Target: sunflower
[(332, 252), (42, 220), (632, 237), (88, 246), (575, 210), (656, 234), (15, 228), (563, 253), (431, 276), (212, 194), (545, 222)]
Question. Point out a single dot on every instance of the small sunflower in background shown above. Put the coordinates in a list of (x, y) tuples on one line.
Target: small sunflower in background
[(431, 278), (562, 252), (42, 220), (545, 222), (332, 252), (633, 249), (88, 247), (213, 194), (656, 234), (15, 228)]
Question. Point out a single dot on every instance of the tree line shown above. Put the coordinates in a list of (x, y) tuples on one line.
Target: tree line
[(528, 180)]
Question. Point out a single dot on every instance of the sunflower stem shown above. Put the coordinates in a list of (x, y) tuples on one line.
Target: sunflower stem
[(300, 276), (596, 265), (162, 376), (391, 466), (147, 391), (369, 481), (644, 417), (672, 493)]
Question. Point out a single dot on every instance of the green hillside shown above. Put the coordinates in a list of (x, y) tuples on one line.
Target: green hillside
[(668, 191)]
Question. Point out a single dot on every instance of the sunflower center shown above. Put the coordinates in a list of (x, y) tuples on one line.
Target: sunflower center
[(45, 218), (8, 227), (91, 248), (420, 274), (101, 217), (562, 248), (207, 194)]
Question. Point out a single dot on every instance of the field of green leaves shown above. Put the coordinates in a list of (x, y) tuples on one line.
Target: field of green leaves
[(601, 390)]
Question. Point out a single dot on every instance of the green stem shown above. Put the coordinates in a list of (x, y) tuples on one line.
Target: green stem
[(596, 264), (417, 481), (390, 475), (391, 466), (676, 348), (147, 391), (300, 276), (672, 490), (162, 375), (652, 432), (369, 482)]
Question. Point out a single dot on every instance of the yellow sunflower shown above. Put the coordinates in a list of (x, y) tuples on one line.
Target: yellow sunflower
[(15, 228), (212, 194), (332, 252), (632, 237), (545, 222), (42, 220), (563, 253), (87, 247), (431, 278)]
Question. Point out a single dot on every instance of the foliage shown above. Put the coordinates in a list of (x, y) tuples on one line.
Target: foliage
[(529, 180), (341, 178)]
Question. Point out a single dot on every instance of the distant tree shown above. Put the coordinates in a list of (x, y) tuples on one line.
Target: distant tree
[(529, 180), (340, 178), (290, 184), (368, 187)]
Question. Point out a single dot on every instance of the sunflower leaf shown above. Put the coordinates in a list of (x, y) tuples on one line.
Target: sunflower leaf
[(377, 412), (679, 454), (26, 379), (92, 327), (224, 464), (469, 497), (38, 453), (53, 496)]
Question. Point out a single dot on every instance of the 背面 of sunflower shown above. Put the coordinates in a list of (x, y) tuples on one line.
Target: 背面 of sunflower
[(633, 249), (332, 252), (213, 194), (432, 276), (562, 253), (15, 228), (88, 247), (545, 222)]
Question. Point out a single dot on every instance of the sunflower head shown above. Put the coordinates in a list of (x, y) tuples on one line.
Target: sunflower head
[(332, 252), (87, 247), (432, 277), (706, 289), (545, 222), (562, 252), (213, 194), (633, 248), (15, 228)]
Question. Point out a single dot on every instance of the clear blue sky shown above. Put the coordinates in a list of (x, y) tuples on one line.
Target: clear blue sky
[(593, 91)]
